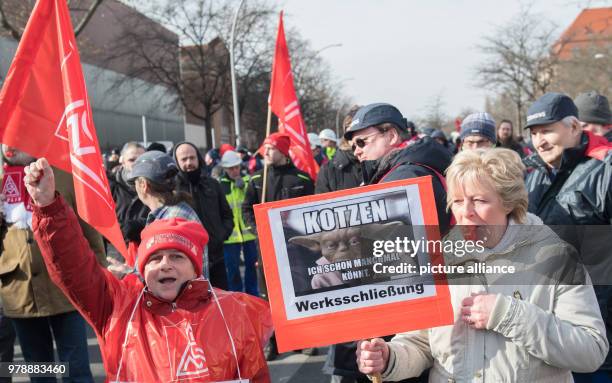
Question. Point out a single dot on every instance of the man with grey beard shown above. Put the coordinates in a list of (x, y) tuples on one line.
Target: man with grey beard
[(39, 310)]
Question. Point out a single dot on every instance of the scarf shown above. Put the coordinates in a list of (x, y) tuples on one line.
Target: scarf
[(17, 204)]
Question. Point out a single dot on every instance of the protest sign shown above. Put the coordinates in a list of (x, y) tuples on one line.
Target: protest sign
[(323, 264)]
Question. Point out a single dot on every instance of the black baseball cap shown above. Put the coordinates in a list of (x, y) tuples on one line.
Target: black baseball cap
[(155, 166), (550, 108), (593, 108), (375, 114)]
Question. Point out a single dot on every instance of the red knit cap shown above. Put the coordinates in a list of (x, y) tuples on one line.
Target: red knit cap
[(224, 148), (280, 141), (189, 237)]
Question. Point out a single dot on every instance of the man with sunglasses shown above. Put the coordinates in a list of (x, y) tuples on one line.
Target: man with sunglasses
[(383, 144)]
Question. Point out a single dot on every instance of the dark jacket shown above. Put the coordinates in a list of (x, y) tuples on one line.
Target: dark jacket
[(425, 157), (209, 203), (343, 172), (512, 145), (122, 193), (580, 192), (576, 201), (283, 182), (131, 212)]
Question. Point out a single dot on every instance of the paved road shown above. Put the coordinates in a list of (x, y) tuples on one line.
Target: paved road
[(287, 368)]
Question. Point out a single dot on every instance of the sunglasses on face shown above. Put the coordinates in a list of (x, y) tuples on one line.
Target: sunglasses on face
[(361, 142)]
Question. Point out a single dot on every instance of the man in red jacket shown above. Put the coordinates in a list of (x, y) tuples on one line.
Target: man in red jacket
[(176, 327)]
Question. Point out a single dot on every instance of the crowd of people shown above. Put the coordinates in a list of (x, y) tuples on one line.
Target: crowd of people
[(188, 300)]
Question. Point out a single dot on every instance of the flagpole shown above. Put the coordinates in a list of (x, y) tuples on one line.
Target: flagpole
[(265, 172), (144, 131), (233, 75)]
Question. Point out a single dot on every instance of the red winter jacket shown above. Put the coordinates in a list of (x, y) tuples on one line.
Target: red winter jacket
[(145, 339)]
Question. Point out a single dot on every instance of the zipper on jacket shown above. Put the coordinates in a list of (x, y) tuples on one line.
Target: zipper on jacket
[(173, 306)]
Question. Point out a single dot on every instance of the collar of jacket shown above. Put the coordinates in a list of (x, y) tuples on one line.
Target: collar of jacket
[(343, 158), (371, 169), (226, 178), (511, 144), (424, 152), (120, 179), (572, 156), (598, 146), (185, 178), (282, 168), (195, 293)]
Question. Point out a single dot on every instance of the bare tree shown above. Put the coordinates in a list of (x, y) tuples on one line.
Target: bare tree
[(435, 116), (201, 84), (503, 107), (182, 53), (520, 62), (14, 14), (589, 68)]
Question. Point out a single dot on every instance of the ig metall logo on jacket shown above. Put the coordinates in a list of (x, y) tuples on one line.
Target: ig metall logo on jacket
[(187, 358)]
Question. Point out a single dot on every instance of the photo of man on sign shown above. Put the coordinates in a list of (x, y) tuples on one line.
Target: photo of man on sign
[(330, 245), (342, 254)]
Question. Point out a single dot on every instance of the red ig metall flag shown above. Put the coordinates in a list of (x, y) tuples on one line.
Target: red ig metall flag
[(44, 111), (284, 103)]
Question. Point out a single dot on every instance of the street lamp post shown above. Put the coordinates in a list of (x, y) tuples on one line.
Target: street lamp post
[(233, 75), (336, 45), (338, 119), (341, 107), (309, 58)]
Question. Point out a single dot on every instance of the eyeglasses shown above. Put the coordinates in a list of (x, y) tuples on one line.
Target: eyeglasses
[(361, 142)]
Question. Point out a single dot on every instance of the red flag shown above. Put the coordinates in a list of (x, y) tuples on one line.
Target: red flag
[(284, 104), (44, 111), (458, 124)]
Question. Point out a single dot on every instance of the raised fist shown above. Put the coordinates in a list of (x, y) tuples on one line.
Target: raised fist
[(40, 182)]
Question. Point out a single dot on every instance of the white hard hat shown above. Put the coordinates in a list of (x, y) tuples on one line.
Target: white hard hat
[(314, 140), (230, 159), (328, 134)]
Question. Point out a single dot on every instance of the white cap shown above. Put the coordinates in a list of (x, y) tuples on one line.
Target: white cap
[(314, 140), (230, 159), (328, 134)]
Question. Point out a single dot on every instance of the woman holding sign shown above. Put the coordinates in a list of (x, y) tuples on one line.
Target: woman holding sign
[(535, 325)]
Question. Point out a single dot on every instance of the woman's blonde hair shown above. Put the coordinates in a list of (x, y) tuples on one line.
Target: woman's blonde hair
[(500, 169)]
